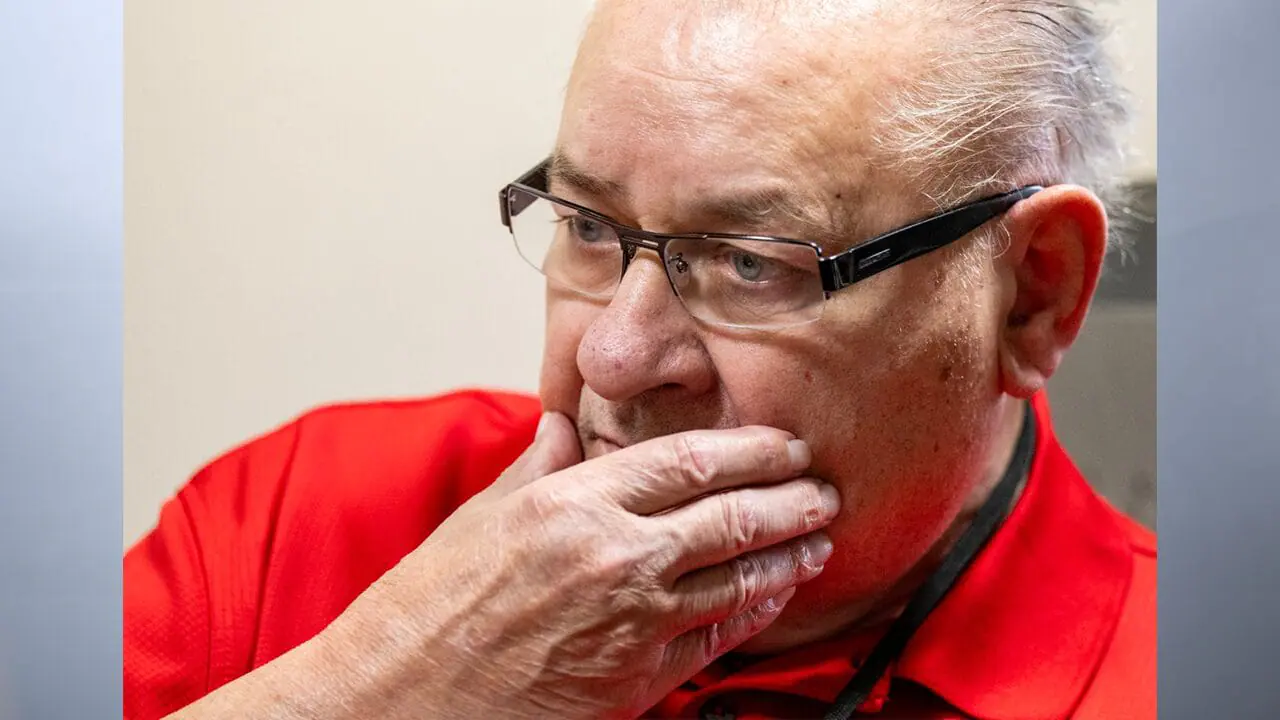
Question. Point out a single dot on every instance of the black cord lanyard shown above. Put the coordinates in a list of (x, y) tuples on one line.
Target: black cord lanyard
[(936, 587)]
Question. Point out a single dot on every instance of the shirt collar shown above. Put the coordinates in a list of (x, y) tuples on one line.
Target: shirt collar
[(1021, 632)]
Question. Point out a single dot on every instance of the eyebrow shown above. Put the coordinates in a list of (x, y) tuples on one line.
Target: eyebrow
[(760, 208), (755, 210), (565, 171)]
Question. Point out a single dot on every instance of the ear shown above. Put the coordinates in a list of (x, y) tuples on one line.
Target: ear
[(1058, 240)]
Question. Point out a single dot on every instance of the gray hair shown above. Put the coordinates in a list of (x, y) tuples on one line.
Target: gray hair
[(1014, 92), (1008, 93)]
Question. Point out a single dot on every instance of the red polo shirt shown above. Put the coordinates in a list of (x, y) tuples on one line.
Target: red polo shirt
[(1056, 618)]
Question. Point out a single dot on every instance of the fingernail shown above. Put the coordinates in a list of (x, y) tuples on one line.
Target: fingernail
[(830, 499), (781, 598), (542, 425), (798, 450), (820, 548)]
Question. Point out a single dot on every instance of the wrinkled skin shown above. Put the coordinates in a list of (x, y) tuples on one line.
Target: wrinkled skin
[(598, 573), (568, 589), (902, 388)]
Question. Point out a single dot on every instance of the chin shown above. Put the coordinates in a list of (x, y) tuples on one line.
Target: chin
[(815, 613), (791, 629), (772, 640)]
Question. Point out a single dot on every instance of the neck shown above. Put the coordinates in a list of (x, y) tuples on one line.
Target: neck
[(876, 613)]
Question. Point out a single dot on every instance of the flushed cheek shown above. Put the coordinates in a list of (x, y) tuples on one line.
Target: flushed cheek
[(904, 460), (803, 384), (877, 543)]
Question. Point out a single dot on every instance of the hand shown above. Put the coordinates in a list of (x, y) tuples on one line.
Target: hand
[(577, 589)]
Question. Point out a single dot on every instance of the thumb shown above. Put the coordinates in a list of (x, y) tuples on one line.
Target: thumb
[(555, 447)]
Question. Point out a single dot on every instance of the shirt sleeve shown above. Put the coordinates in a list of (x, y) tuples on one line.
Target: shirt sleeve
[(191, 585), (166, 618), (267, 544)]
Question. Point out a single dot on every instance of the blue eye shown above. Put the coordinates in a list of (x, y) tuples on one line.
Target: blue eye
[(747, 266), (586, 229)]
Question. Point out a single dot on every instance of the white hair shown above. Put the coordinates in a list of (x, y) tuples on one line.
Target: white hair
[(1006, 93), (1013, 92)]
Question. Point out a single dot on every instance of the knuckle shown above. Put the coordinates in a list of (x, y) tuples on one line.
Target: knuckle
[(626, 602), (663, 605), (761, 615), (771, 451), (714, 641), (800, 559), (697, 459), (626, 595), (638, 597), (813, 512), (747, 579), (742, 523)]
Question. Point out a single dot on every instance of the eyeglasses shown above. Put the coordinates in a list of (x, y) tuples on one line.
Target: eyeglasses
[(746, 281)]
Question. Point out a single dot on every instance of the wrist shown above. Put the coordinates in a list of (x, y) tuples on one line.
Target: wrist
[(379, 666), (291, 687)]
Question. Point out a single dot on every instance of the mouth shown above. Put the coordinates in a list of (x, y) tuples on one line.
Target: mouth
[(597, 445)]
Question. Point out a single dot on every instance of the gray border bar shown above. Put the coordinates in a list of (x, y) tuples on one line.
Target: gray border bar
[(60, 374), (60, 359), (1218, 380)]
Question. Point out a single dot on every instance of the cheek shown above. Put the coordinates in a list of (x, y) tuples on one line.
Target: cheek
[(909, 442), (560, 383)]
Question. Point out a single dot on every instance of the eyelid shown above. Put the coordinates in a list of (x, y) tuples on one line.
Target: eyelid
[(738, 248)]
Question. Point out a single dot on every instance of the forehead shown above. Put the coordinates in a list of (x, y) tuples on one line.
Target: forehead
[(687, 93)]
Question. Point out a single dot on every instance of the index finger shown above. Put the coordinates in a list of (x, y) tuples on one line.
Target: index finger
[(665, 472)]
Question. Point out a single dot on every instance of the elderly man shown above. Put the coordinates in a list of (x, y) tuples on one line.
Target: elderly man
[(809, 266)]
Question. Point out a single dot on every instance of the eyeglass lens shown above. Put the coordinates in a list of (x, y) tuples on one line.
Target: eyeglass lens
[(728, 281)]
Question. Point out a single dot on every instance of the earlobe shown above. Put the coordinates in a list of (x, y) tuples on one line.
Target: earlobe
[(1058, 241), (1029, 357)]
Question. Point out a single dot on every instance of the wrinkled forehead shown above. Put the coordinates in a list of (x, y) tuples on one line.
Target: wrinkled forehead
[(676, 95)]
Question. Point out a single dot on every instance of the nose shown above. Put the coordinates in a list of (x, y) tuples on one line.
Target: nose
[(644, 339)]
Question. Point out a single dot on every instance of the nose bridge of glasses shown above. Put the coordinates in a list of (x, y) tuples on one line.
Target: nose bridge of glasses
[(633, 242)]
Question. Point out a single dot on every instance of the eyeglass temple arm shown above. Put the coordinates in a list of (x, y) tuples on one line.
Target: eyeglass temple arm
[(510, 205), (879, 254)]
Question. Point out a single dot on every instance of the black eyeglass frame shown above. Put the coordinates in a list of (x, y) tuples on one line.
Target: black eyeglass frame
[(838, 271)]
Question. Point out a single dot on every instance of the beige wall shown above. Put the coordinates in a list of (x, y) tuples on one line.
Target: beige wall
[(311, 211), (1134, 47)]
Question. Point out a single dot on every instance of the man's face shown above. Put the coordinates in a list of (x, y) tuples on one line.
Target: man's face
[(674, 107)]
